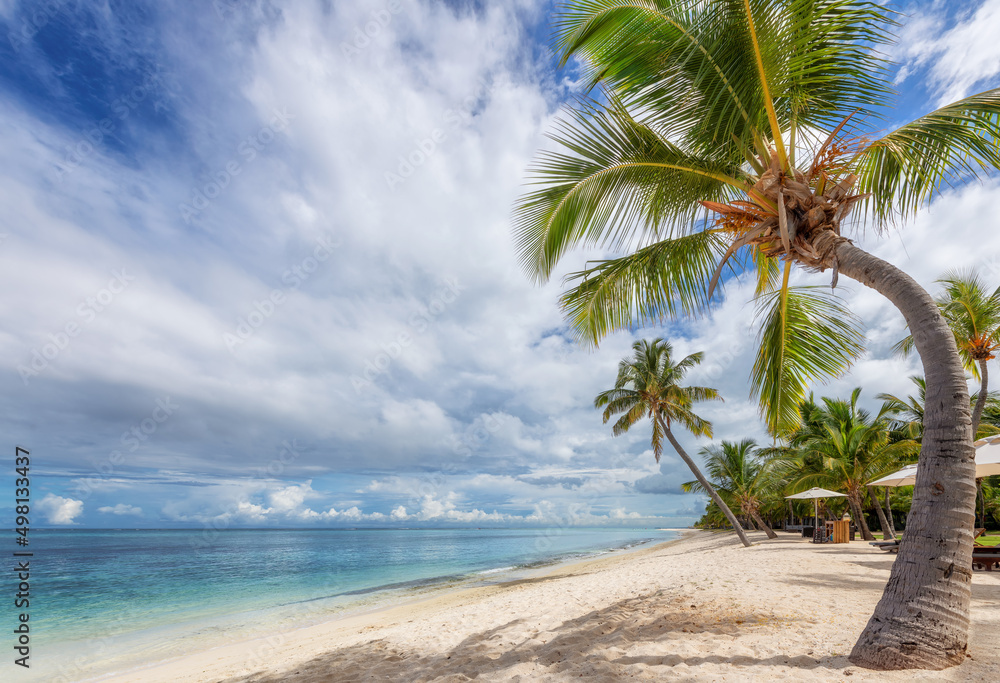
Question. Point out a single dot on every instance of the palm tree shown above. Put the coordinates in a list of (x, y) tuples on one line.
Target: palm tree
[(756, 111), (740, 475), (850, 448), (908, 413), (648, 386), (972, 312)]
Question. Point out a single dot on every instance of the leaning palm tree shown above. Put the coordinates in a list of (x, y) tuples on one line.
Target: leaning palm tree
[(648, 385), (761, 112), (972, 311), (738, 473)]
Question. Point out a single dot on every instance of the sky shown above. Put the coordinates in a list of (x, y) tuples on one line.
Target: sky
[(259, 269)]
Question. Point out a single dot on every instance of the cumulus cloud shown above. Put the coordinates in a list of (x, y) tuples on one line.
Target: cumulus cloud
[(59, 510)]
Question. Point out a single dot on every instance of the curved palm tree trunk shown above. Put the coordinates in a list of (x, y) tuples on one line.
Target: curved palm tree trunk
[(888, 513), (886, 533), (858, 510), (984, 387), (981, 498), (977, 415), (922, 620), (761, 524), (708, 487)]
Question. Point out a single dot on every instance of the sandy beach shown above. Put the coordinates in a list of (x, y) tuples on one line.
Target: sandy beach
[(698, 609)]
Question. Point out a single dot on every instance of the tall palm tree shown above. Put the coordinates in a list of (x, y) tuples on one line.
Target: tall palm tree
[(850, 448), (756, 110), (740, 475), (972, 312), (648, 385)]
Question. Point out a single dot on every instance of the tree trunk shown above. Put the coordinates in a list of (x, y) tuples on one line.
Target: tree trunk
[(711, 491), (762, 524), (858, 510), (888, 513), (922, 620), (886, 533), (977, 415), (984, 387), (981, 497)]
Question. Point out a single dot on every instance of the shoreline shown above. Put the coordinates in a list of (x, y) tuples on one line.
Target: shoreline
[(382, 599), (695, 608)]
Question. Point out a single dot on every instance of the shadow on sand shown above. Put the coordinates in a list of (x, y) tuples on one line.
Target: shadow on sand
[(592, 646)]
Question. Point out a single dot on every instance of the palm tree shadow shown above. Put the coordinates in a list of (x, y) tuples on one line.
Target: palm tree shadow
[(595, 645)]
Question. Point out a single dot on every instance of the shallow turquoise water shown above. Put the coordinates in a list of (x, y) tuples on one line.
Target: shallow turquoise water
[(106, 599)]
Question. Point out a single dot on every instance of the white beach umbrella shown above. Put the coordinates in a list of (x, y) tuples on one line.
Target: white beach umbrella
[(904, 477), (815, 494), (987, 463), (987, 456)]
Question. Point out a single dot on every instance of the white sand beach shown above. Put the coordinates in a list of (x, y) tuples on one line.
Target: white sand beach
[(698, 609)]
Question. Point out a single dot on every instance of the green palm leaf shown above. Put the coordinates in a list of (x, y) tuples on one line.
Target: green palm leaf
[(806, 334), (617, 182), (949, 146), (656, 282)]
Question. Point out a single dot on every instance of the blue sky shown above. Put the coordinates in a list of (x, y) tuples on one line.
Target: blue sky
[(259, 270)]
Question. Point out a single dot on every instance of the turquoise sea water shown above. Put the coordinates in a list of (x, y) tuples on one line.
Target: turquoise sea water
[(106, 600)]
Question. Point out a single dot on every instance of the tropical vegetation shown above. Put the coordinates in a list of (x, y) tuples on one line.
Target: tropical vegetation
[(761, 113)]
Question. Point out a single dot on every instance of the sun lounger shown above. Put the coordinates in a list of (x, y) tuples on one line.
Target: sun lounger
[(977, 534), (985, 557), (888, 546)]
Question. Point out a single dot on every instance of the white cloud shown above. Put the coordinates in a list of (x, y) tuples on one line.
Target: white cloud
[(59, 510), (477, 406), (121, 509), (961, 59)]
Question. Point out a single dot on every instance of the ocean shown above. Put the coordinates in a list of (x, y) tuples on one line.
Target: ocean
[(110, 600)]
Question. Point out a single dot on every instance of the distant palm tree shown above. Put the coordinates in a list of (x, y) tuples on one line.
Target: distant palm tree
[(972, 311), (762, 112), (648, 385), (740, 475), (849, 448), (908, 413)]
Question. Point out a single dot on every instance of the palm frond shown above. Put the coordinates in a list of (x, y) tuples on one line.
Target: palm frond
[(616, 183), (807, 335), (660, 281), (946, 147)]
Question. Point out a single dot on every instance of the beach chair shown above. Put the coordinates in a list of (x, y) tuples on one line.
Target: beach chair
[(985, 557), (978, 533), (888, 546)]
